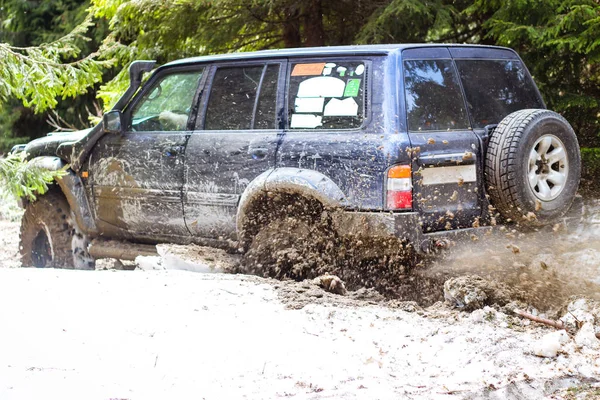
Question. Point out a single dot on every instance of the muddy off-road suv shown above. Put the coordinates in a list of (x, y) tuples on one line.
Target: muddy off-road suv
[(406, 145)]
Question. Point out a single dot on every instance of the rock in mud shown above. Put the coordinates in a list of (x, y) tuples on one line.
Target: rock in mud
[(550, 344), (331, 283), (149, 263), (109, 263), (544, 261), (586, 338), (472, 292), (189, 258), (580, 311), (407, 306)]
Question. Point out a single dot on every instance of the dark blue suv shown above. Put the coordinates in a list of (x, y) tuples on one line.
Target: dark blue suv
[(414, 142)]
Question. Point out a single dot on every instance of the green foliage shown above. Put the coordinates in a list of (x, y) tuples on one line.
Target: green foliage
[(38, 75), (402, 21), (34, 22), (590, 159), (559, 41), (21, 178)]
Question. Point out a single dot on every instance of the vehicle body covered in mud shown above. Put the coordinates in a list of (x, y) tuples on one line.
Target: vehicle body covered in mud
[(394, 137)]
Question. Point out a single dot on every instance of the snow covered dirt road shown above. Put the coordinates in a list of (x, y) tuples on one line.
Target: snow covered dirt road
[(168, 334), (177, 335)]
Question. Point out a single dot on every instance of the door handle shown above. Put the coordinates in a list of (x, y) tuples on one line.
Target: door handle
[(258, 152)]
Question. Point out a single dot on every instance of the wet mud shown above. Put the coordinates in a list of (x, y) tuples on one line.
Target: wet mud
[(541, 269)]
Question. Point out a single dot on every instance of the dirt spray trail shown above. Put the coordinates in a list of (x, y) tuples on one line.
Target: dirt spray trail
[(541, 268)]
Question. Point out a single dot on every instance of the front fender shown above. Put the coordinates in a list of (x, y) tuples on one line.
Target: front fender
[(72, 188), (305, 182)]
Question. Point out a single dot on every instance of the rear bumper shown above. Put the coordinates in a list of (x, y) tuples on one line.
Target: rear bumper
[(404, 226), (380, 225)]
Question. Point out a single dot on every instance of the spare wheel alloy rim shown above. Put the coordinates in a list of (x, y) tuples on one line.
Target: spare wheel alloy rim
[(548, 167)]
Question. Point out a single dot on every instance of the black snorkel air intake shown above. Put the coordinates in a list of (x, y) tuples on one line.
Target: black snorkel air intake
[(136, 72)]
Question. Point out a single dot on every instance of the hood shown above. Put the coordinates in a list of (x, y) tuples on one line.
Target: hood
[(47, 145)]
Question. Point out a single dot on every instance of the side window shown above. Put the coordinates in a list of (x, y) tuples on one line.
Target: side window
[(496, 88), (327, 95), (434, 101), (166, 107), (243, 98), (267, 99)]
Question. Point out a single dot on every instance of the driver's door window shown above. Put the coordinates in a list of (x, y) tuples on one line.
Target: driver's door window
[(166, 106)]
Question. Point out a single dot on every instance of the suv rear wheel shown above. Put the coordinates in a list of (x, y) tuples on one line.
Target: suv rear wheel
[(533, 167), (49, 238)]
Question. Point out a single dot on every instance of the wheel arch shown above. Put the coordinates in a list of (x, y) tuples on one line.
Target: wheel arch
[(280, 186), (71, 186)]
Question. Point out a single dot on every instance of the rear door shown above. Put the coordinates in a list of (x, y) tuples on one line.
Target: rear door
[(235, 140), (446, 153), (336, 124), (136, 177)]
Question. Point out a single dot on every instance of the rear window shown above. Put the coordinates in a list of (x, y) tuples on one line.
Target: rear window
[(327, 95), (434, 101), (496, 88)]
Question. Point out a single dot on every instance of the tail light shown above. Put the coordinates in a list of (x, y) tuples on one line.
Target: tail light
[(399, 188)]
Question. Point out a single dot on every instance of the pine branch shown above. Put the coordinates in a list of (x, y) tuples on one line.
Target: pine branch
[(38, 75), (21, 178)]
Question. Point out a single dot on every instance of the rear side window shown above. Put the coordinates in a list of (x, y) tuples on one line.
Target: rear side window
[(496, 88), (434, 101), (243, 98), (327, 95)]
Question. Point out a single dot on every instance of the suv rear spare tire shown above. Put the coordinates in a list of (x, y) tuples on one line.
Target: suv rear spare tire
[(48, 237), (532, 167)]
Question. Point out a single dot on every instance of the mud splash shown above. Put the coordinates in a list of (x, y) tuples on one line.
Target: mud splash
[(542, 269)]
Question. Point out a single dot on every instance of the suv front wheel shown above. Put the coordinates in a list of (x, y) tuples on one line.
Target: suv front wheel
[(49, 238)]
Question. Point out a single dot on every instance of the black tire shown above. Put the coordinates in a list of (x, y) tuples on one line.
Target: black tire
[(511, 175), (48, 236)]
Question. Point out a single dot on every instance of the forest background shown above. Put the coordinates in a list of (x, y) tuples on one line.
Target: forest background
[(64, 61)]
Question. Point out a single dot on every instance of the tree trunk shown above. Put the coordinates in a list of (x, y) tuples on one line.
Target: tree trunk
[(291, 28), (313, 24)]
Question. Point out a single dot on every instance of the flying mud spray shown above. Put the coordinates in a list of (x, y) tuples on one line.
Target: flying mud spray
[(508, 267)]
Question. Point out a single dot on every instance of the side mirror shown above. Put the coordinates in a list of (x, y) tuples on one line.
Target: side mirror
[(112, 122)]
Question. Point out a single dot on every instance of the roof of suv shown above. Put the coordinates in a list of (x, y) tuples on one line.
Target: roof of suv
[(322, 51)]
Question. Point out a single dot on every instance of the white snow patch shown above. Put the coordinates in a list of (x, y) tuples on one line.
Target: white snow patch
[(179, 335), (550, 344)]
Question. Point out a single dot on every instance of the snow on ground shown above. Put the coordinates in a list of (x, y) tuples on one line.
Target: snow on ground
[(177, 335), (9, 244), (170, 334)]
